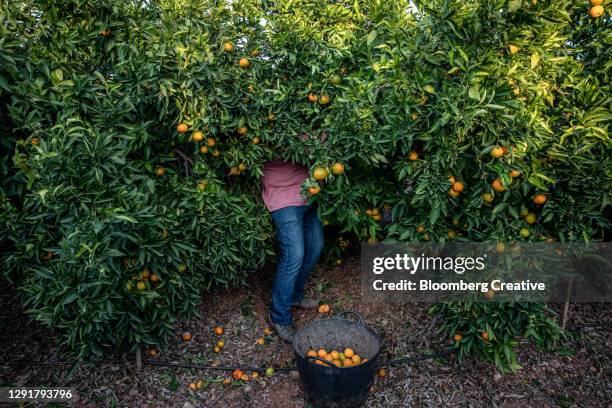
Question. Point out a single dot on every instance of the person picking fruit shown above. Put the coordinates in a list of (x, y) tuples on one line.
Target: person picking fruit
[(299, 233)]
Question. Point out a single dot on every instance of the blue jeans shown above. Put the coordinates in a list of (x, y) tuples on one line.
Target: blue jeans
[(299, 233)]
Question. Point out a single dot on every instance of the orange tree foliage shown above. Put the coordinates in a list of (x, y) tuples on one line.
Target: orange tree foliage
[(98, 183)]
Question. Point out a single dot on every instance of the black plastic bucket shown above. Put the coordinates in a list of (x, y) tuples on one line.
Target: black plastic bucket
[(326, 385)]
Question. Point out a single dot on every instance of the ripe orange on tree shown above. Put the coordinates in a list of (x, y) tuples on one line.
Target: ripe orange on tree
[(457, 337), (154, 277), (453, 193), (485, 336), (312, 97), (514, 173), (324, 308), (498, 186), (324, 99), (458, 186), (254, 53), (204, 149), (152, 352), (513, 48), (140, 285), (218, 330), (413, 155), (193, 386), (35, 141), (186, 336), (596, 11), (159, 171), (540, 199), (244, 62), (211, 141), (255, 140), (243, 130), (220, 344), (338, 168), (314, 190), (197, 136), (320, 173), (321, 353), (530, 218), (271, 117), (497, 152), (182, 128), (228, 47), (596, 2), (261, 341)]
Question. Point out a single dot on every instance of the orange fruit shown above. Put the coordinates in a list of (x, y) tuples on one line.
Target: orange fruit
[(375, 212), (255, 375), (216, 349), (497, 152), (201, 187), (234, 171), (324, 99), (160, 171), (267, 330), (182, 128), (540, 199), (500, 248), (243, 130), (271, 117), (186, 336), (320, 173), (193, 386), (228, 47), (513, 48), (524, 232), (458, 186), (220, 344), (312, 97), (338, 168), (335, 355), (596, 11), (382, 373), (485, 336), (457, 337), (145, 273), (204, 149), (530, 218), (347, 362), (237, 374), (227, 381), (453, 193), (200, 384), (106, 32), (514, 173), (321, 353), (313, 190), (356, 359), (498, 186), (487, 197), (324, 308), (420, 229), (348, 352), (152, 352), (452, 179), (197, 136), (261, 341), (244, 62), (154, 278), (414, 116), (216, 153), (210, 142), (218, 330), (337, 363), (596, 2), (413, 156), (255, 140), (377, 217), (35, 141), (242, 166), (312, 353)]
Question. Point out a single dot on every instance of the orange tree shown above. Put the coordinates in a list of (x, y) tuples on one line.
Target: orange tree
[(142, 130)]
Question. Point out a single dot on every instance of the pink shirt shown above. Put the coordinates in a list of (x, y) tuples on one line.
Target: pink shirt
[(282, 184)]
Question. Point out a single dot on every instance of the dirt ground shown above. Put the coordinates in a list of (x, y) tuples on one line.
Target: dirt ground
[(577, 374)]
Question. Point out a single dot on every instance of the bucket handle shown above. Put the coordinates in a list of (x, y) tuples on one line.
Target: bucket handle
[(327, 363), (357, 315)]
